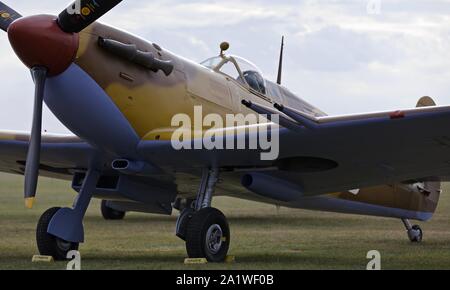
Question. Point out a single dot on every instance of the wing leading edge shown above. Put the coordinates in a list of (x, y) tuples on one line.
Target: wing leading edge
[(61, 154)]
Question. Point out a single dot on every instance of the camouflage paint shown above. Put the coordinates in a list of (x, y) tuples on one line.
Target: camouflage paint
[(149, 101)]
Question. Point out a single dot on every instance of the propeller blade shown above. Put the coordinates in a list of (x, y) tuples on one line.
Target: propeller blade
[(82, 13), (34, 150), (7, 16)]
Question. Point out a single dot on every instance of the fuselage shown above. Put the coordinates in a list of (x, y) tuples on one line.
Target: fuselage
[(114, 104)]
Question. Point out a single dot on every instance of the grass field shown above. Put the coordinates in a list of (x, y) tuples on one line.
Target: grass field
[(262, 237)]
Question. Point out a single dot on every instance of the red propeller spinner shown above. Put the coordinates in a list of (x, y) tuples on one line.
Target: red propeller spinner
[(39, 41)]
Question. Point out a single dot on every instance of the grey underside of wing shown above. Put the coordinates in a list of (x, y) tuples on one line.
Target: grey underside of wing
[(367, 153), (57, 159)]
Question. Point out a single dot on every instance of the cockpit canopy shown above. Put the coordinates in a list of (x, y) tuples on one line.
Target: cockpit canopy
[(248, 75), (239, 69)]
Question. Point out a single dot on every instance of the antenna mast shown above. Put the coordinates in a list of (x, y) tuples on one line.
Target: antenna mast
[(280, 65)]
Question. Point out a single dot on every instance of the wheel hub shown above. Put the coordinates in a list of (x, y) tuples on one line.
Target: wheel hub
[(63, 245), (214, 238)]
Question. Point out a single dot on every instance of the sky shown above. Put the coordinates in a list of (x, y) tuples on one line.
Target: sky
[(343, 56)]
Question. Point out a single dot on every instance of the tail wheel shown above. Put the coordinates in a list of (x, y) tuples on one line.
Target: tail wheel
[(416, 234), (208, 235), (111, 214), (48, 244)]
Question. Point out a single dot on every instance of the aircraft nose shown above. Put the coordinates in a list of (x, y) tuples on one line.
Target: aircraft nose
[(39, 41)]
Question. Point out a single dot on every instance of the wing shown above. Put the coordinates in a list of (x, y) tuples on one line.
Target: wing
[(333, 154), (61, 155)]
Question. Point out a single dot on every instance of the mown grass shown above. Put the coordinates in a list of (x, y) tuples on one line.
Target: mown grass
[(262, 237)]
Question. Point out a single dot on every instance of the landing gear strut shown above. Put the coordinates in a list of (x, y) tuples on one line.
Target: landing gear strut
[(415, 233), (205, 229)]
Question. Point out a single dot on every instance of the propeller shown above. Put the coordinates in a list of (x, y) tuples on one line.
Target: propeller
[(7, 16), (39, 75), (82, 13), (36, 40)]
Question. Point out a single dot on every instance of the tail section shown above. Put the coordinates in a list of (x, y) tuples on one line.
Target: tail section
[(417, 199)]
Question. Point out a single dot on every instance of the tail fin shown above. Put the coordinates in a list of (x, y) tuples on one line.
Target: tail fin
[(425, 102)]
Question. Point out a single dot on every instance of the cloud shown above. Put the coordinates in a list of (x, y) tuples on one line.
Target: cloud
[(338, 57)]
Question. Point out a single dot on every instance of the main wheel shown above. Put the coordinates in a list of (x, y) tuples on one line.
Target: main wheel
[(48, 244), (111, 214), (208, 235)]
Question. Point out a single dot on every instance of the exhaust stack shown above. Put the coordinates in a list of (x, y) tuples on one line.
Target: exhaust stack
[(131, 53)]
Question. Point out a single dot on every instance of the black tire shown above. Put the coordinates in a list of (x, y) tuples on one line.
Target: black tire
[(111, 214), (48, 244), (183, 221), (197, 231)]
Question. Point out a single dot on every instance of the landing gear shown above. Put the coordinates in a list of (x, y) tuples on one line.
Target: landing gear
[(205, 229), (48, 244), (110, 213), (415, 233), (60, 230)]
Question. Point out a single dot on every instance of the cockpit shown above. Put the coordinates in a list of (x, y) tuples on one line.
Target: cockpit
[(246, 74), (241, 70)]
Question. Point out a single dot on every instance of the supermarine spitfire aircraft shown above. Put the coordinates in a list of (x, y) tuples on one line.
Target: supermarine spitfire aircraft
[(118, 94)]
